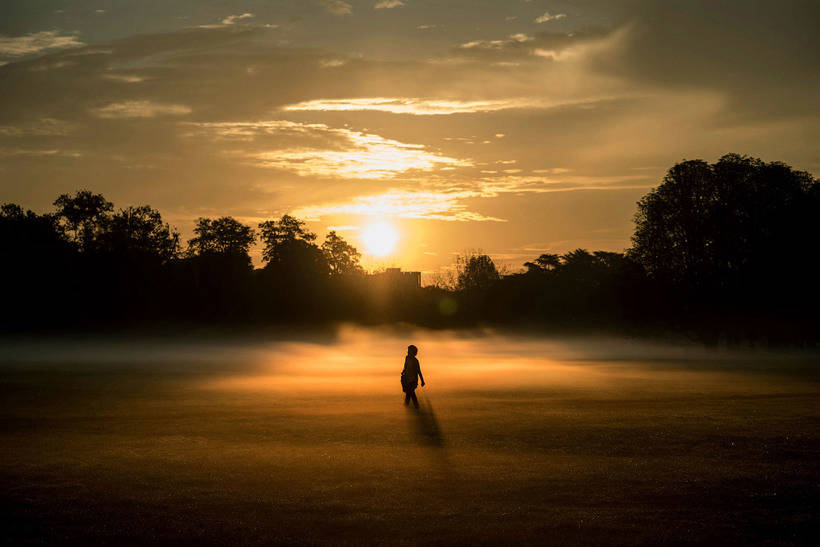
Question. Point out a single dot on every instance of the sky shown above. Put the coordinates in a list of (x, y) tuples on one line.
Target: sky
[(512, 127)]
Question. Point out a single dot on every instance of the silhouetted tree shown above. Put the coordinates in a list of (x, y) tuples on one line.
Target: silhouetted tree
[(476, 271), (36, 267), (218, 269), (83, 217), (719, 228), (140, 231), (290, 251), (294, 279), (545, 263), (342, 257), (25, 233), (276, 235), (223, 236), (725, 248), (579, 260)]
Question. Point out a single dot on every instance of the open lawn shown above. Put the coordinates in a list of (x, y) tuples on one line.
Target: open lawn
[(257, 439)]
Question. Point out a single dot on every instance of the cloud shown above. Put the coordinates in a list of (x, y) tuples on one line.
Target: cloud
[(43, 127), (232, 19), (445, 206), (388, 4), (126, 78), (416, 106), (513, 183), (140, 109), (337, 7), (521, 37), (15, 46), (549, 17), (558, 46), (448, 202), (322, 151), (39, 153), (518, 38), (332, 63)]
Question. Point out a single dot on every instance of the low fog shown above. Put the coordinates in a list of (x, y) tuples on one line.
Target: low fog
[(301, 437)]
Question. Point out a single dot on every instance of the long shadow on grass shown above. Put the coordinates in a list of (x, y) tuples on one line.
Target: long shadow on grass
[(424, 425), (425, 432)]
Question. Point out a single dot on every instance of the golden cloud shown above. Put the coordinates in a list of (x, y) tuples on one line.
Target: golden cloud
[(401, 204), (325, 151), (140, 109), (416, 106)]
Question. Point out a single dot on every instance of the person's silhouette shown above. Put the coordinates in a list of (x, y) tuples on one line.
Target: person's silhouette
[(410, 376)]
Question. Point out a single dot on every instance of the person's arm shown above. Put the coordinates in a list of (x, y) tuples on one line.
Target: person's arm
[(420, 376)]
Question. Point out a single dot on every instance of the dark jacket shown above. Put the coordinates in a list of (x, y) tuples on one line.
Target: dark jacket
[(411, 374)]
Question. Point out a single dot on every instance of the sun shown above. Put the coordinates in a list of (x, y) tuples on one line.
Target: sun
[(380, 238)]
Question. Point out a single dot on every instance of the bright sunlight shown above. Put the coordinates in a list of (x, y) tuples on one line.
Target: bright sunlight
[(380, 239)]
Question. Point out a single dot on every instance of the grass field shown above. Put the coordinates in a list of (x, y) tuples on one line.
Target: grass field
[(271, 439)]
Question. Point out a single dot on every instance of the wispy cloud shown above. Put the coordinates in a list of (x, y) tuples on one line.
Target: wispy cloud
[(445, 206), (332, 63), (232, 19), (521, 37), (337, 7), (416, 106), (523, 184), (39, 153), (127, 78), (448, 203), (549, 17), (140, 109), (388, 4), (15, 46), (43, 127), (325, 151), (558, 46)]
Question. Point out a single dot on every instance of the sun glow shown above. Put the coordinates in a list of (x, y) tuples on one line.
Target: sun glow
[(380, 239)]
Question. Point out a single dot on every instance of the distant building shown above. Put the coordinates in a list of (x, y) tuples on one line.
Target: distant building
[(396, 277)]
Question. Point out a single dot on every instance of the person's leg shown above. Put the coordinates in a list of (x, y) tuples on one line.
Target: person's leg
[(406, 398), (415, 401)]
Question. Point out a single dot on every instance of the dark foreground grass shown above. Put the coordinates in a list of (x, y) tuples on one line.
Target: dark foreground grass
[(161, 451)]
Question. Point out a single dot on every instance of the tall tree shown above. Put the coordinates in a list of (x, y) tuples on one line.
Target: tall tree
[(83, 217), (341, 256), (717, 227), (141, 231), (476, 271), (25, 233), (222, 236), (277, 235)]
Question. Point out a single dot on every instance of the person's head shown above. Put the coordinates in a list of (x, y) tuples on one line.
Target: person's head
[(412, 350)]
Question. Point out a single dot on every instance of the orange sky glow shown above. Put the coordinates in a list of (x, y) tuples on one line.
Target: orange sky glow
[(417, 130)]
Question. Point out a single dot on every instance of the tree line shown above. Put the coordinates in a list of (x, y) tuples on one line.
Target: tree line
[(723, 249)]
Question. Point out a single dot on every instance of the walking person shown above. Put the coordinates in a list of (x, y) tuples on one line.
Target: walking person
[(410, 376)]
